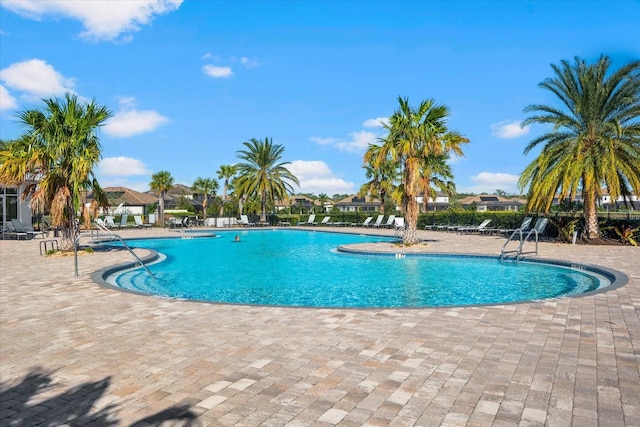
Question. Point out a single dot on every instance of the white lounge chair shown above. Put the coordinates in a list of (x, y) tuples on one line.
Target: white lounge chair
[(310, 221), (110, 223), (21, 228), (139, 223), (378, 221), (325, 220), (367, 221), (244, 221), (525, 225), (479, 228), (398, 224), (390, 222)]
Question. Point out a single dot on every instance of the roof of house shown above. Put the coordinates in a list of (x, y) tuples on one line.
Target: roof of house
[(490, 199), (118, 195), (356, 200)]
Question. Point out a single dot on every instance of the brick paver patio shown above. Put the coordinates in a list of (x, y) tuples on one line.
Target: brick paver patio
[(74, 353)]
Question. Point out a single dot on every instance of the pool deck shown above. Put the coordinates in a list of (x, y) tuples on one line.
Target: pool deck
[(74, 352)]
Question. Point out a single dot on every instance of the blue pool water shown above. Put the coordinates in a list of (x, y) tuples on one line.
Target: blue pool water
[(301, 268)]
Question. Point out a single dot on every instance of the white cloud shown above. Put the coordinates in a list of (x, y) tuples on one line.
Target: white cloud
[(359, 141), (122, 166), (102, 19), (7, 102), (36, 79), (130, 122), (316, 177), (376, 123), (248, 63), (509, 130), (217, 72), (489, 182)]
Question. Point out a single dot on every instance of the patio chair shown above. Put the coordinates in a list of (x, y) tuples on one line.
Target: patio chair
[(325, 220), (139, 223), (398, 224), (378, 221), (244, 221), (19, 227), (525, 225), (9, 232), (310, 221), (367, 221), (124, 221), (109, 222), (390, 222), (479, 228)]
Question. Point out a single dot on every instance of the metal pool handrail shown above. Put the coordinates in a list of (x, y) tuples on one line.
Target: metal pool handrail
[(112, 234)]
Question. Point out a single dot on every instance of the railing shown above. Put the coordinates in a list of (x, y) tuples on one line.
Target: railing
[(518, 252), (111, 234)]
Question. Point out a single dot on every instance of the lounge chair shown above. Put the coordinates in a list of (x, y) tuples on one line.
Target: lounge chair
[(9, 232), (479, 228), (390, 222), (325, 220), (398, 224), (124, 221), (367, 221), (525, 225), (110, 223), (378, 221), (310, 221), (244, 221), (139, 223), (19, 227)]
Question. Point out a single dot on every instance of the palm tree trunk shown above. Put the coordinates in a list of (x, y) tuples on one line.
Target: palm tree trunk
[(204, 207), (68, 231), (263, 208), (591, 216), (411, 207)]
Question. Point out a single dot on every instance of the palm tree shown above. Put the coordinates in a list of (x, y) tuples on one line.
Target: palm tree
[(415, 134), (206, 187), (435, 171), (226, 172), (56, 157), (161, 182), (262, 174), (595, 140), (381, 173)]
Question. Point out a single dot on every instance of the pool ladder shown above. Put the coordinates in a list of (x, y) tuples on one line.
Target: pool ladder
[(518, 253), (112, 236)]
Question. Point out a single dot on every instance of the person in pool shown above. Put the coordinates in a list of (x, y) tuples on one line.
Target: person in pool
[(237, 238)]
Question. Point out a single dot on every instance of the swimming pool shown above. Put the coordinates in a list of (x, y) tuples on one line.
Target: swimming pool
[(303, 268)]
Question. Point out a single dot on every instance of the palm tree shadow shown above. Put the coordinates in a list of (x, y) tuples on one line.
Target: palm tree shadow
[(22, 405)]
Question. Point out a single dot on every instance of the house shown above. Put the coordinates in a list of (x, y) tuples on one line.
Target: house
[(125, 200), (439, 203), (355, 203), (299, 203), (179, 195), (632, 202), (492, 202), (13, 207)]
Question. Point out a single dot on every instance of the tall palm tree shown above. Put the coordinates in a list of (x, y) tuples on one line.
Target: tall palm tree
[(206, 187), (414, 135), (226, 172), (595, 140), (161, 182), (58, 155), (381, 173), (435, 171), (263, 174)]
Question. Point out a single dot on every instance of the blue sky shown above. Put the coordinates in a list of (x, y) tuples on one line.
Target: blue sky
[(189, 81)]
